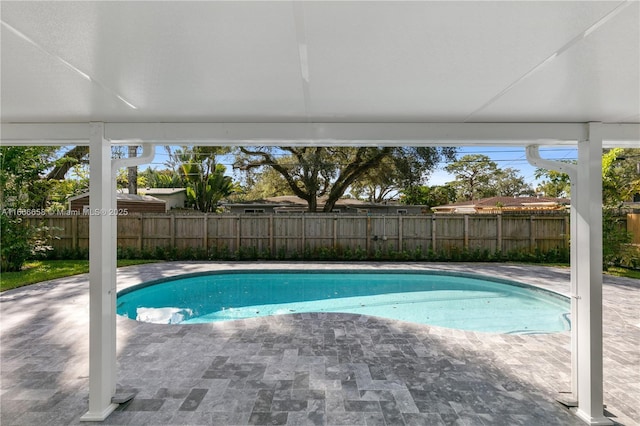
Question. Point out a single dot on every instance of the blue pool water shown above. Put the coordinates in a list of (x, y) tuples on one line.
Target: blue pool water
[(462, 302)]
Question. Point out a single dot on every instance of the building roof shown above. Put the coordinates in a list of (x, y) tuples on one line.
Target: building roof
[(293, 201), (289, 201), (505, 202), (155, 191), (125, 197)]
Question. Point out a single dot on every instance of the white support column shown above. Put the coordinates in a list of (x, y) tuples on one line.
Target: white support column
[(573, 262), (102, 278), (533, 157), (588, 274)]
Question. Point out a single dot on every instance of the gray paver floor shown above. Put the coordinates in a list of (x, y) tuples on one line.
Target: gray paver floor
[(302, 369)]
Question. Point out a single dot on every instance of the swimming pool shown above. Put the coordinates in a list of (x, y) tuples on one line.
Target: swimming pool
[(442, 299)]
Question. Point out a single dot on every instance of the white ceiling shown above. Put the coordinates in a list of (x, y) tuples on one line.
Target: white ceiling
[(574, 61)]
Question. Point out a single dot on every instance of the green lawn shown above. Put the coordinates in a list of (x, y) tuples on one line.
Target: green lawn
[(623, 272), (614, 270), (42, 270)]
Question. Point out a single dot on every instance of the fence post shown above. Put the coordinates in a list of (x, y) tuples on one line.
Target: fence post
[(141, 238), (238, 219), (567, 232), (368, 239), (433, 233), (172, 230), (466, 232), (304, 236), (633, 226), (74, 232), (335, 232), (499, 232), (205, 232), (532, 234), (272, 247), (400, 233)]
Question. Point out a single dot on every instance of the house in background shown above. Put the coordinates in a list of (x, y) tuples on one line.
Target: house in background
[(132, 203), (175, 198), (632, 205), (505, 204), (291, 204)]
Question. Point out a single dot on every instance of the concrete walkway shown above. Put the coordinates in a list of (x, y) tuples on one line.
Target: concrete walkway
[(299, 369)]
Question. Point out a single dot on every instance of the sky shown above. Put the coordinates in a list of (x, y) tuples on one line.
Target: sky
[(504, 156), (507, 156)]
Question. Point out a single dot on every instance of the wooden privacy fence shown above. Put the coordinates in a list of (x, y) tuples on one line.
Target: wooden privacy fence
[(633, 227), (289, 234)]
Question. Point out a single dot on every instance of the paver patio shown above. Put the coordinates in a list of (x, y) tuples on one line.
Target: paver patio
[(307, 368)]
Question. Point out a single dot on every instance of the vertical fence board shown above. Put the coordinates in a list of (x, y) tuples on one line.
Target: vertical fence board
[(352, 232), (254, 230), (318, 231), (221, 233), (83, 232), (633, 226), (287, 237), (515, 233), (60, 227), (156, 231), (416, 233), (450, 233), (483, 232), (384, 234), (129, 231), (550, 234), (186, 232)]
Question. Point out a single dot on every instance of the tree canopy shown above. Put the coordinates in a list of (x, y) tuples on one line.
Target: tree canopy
[(405, 169), (165, 178), (77, 155), (554, 183), (620, 175), (477, 176), (261, 184), (21, 187), (203, 177), (378, 183), (313, 172), (428, 195), (620, 182), (36, 177)]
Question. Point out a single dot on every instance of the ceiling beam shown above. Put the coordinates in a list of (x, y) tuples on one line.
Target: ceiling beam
[(45, 134), (324, 134)]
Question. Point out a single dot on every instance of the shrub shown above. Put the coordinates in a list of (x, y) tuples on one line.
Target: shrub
[(630, 257), (360, 254), (70, 254), (15, 248), (20, 242), (615, 240), (282, 253)]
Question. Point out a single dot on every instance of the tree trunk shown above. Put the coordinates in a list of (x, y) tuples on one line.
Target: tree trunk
[(312, 201), (78, 154), (132, 172), (350, 174)]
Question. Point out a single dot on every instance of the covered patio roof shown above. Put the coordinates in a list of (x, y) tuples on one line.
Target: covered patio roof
[(315, 62), (320, 73)]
